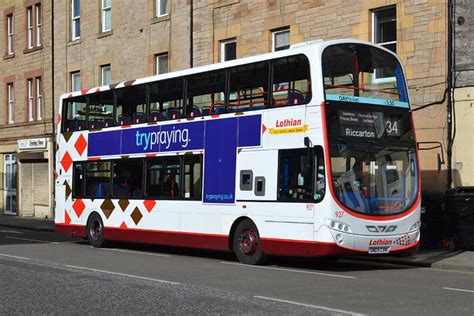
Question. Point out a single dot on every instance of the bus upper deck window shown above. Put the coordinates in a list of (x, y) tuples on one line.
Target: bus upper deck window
[(101, 110), (166, 100), (75, 116), (206, 93), (249, 87), (291, 81), (131, 105)]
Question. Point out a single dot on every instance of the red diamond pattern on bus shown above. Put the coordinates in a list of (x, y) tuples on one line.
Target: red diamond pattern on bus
[(67, 218), (78, 206), (107, 207), (149, 204), (80, 144), (123, 226), (123, 203), (66, 162), (136, 215), (67, 136), (68, 189)]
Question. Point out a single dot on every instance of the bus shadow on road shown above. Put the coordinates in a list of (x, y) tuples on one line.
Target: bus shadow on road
[(335, 264), (329, 264)]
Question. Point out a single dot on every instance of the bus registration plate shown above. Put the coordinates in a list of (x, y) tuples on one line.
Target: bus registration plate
[(379, 249)]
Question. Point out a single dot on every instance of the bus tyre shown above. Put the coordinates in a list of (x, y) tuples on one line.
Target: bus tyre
[(95, 231), (246, 243)]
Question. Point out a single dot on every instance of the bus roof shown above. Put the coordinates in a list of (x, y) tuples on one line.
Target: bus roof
[(298, 48)]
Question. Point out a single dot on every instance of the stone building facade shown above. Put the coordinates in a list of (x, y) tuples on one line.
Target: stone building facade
[(26, 110), (463, 96), (99, 42)]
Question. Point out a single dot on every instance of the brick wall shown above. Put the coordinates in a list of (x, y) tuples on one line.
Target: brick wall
[(22, 66)]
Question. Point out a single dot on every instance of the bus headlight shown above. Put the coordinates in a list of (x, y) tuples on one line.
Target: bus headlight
[(339, 239), (339, 226), (415, 226)]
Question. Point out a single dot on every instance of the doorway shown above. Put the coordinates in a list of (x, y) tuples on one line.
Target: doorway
[(10, 184)]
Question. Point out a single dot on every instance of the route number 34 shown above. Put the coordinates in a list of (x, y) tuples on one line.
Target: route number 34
[(391, 127)]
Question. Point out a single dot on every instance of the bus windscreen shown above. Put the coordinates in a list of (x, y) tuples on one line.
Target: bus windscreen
[(359, 73)]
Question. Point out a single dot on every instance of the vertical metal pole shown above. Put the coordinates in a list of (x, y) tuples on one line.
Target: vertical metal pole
[(450, 87), (191, 34)]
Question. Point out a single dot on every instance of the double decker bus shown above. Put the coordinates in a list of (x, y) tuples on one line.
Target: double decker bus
[(308, 151)]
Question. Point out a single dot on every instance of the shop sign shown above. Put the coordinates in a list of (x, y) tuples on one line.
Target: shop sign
[(33, 143)]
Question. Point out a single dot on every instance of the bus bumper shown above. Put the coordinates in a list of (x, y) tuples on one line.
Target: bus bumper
[(376, 245)]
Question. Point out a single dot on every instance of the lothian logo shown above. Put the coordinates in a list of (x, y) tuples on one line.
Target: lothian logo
[(380, 242), (288, 123)]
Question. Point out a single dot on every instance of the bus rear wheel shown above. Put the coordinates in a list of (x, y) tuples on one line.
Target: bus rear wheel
[(95, 231), (246, 243)]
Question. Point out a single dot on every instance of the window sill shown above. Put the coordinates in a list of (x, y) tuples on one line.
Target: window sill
[(224, 3), (105, 34), (31, 50), (5, 57), (74, 42), (22, 124), (158, 19)]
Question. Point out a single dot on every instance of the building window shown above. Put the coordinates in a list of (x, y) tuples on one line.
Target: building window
[(39, 25), (106, 75), (30, 99), (228, 50), (11, 103), (75, 81), (161, 63), (34, 26), (76, 20), (30, 26), (39, 99), (280, 40), (106, 15), (34, 98), (161, 7), (10, 29), (385, 34)]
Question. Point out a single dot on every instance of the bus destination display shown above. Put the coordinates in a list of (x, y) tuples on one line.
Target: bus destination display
[(368, 124)]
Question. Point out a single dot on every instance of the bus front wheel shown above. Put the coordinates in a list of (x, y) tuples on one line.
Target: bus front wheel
[(95, 231), (246, 243)]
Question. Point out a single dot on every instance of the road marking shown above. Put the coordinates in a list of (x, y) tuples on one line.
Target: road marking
[(123, 274), (135, 252), (339, 311), (459, 290), (15, 257), (292, 270), (10, 231), (34, 240)]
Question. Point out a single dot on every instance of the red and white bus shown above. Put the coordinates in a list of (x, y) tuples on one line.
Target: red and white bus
[(308, 151)]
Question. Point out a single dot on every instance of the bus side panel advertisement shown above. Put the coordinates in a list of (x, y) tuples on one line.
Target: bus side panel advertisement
[(218, 138), (220, 161)]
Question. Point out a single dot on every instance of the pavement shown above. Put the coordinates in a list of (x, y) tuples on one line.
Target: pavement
[(456, 260)]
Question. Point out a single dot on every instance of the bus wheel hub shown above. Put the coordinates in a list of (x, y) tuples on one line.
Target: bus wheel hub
[(248, 242)]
